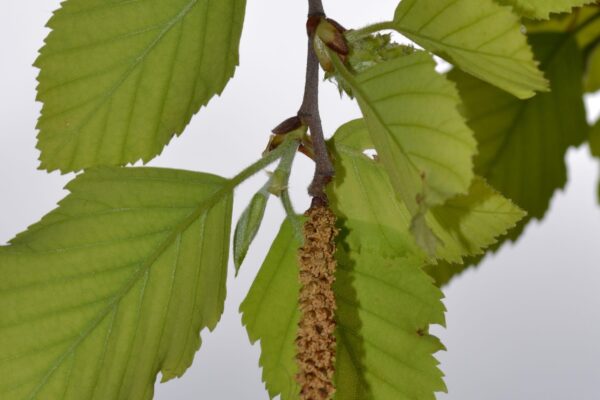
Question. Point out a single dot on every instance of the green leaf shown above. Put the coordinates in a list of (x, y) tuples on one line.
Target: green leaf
[(270, 314), (385, 307), (114, 285), (118, 79), (592, 75), (468, 224), (595, 139), (248, 225), (583, 23), (428, 155), (532, 136), (479, 36), (365, 52), (363, 195), (522, 144), (541, 9)]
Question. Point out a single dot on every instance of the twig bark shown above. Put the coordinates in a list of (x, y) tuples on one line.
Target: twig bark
[(309, 113), (316, 344)]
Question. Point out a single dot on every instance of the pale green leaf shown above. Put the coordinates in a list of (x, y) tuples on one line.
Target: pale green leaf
[(362, 194), (424, 236), (119, 78), (420, 137), (479, 36), (114, 285), (248, 225), (522, 144), (270, 313), (385, 308), (470, 223), (541, 9)]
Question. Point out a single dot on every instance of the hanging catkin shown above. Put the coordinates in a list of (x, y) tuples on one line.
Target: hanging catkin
[(316, 331)]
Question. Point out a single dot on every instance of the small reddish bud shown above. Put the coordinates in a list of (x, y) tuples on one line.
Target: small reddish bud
[(322, 54), (307, 151), (337, 25), (274, 142), (332, 37), (287, 126), (312, 23)]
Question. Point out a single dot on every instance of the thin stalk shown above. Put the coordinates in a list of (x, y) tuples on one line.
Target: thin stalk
[(369, 29), (284, 170), (264, 162), (310, 115)]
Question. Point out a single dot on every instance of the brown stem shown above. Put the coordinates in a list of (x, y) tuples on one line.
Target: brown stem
[(309, 113), (316, 345)]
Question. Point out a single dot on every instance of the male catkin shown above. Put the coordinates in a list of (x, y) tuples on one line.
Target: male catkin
[(316, 331)]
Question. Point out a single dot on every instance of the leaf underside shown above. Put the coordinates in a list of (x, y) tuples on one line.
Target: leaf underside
[(466, 224), (428, 155), (523, 144), (114, 285), (118, 79), (478, 36)]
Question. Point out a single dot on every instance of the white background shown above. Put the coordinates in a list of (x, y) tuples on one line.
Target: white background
[(524, 326)]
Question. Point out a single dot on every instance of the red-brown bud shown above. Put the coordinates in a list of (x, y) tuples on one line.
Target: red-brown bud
[(287, 126), (332, 37)]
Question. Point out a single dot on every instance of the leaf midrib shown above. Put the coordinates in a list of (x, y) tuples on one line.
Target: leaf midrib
[(360, 93)]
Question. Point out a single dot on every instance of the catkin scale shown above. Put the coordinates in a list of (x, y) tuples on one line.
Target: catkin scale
[(315, 341)]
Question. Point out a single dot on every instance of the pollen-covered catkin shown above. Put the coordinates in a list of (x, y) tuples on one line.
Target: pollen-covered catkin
[(316, 331)]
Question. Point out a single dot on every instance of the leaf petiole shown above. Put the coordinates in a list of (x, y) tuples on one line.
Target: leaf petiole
[(285, 148), (356, 34)]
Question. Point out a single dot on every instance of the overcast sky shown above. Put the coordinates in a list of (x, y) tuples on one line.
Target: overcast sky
[(524, 326)]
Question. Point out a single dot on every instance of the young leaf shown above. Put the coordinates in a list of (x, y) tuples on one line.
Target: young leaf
[(466, 224), (385, 309), (469, 223), (427, 155), (365, 52), (479, 36), (541, 9), (119, 79), (522, 144), (251, 219), (384, 350), (114, 285), (270, 314), (248, 226)]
